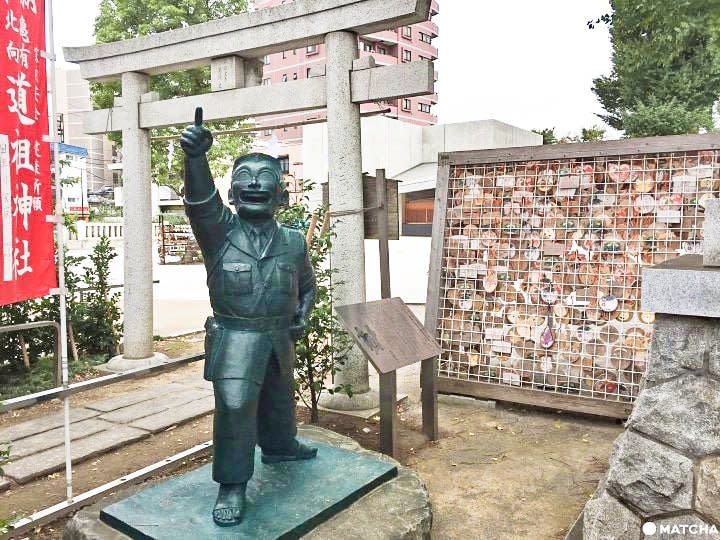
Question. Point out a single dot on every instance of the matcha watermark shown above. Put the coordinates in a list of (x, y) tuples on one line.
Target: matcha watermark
[(650, 528)]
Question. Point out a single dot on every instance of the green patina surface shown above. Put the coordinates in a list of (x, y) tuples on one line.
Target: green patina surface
[(285, 500)]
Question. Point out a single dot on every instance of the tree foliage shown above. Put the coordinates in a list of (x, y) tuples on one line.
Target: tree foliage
[(322, 350), (591, 134), (666, 66), (125, 19), (94, 314)]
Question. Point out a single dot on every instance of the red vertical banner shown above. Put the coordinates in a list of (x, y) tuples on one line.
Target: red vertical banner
[(27, 251)]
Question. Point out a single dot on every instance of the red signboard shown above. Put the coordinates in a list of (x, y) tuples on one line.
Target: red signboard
[(27, 262)]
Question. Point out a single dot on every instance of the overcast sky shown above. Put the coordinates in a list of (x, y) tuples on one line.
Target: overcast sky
[(523, 62)]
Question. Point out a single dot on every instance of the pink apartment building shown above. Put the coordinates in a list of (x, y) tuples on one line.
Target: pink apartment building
[(404, 44)]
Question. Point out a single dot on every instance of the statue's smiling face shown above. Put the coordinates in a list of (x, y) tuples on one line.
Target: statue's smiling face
[(256, 189)]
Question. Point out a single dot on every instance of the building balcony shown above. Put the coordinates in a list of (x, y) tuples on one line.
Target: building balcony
[(431, 27), (388, 37), (381, 59)]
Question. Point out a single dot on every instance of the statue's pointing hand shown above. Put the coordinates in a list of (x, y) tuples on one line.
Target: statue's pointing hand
[(196, 139)]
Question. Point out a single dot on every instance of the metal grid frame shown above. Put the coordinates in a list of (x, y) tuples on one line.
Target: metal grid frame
[(537, 261)]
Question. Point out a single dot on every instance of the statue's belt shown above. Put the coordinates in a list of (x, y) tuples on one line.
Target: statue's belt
[(255, 324)]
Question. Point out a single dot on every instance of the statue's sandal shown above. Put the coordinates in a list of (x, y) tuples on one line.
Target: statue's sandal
[(302, 452)]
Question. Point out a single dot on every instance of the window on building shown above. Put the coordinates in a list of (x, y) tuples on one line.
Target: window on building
[(424, 107), (427, 38), (284, 53), (284, 77), (381, 50), (307, 73), (311, 49), (294, 76), (406, 104), (266, 82), (406, 32), (266, 59), (418, 213), (367, 47), (407, 55), (294, 51), (285, 163)]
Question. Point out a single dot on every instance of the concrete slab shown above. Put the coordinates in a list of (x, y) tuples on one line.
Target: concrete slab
[(131, 398), (365, 414), (157, 405), (45, 423), (285, 500), (56, 437), (682, 286), (25, 469), (176, 415)]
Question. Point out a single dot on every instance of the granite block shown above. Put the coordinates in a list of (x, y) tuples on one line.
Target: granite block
[(56, 437), (131, 398), (42, 424), (682, 286), (176, 415), (25, 469), (156, 405)]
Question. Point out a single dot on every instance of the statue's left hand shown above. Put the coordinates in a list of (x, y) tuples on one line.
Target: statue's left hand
[(297, 330)]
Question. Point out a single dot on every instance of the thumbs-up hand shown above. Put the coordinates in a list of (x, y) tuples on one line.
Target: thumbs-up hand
[(196, 139)]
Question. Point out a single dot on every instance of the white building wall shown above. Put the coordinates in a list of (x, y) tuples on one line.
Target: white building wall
[(397, 146)]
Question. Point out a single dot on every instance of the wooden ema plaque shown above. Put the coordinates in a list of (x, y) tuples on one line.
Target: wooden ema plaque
[(388, 333)]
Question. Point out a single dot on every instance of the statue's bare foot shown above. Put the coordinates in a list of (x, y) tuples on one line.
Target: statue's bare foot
[(301, 451), (230, 505)]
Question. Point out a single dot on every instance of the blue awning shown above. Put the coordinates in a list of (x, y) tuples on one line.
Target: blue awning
[(73, 150)]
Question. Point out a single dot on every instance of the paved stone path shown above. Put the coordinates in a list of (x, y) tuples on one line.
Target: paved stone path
[(37, 445)]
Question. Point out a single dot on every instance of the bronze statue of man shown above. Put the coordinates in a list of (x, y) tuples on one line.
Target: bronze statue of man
[(262, 289)]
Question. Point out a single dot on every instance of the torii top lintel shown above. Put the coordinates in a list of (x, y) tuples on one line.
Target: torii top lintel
[(249, 35)]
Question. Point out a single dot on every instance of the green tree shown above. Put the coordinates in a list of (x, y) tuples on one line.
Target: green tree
[(548, 135), (666, 66), (591, 134), (321, 352), (125, 19), (99, 325)]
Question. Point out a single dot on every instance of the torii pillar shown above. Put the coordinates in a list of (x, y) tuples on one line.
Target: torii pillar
[(137, 237), (346, 195)]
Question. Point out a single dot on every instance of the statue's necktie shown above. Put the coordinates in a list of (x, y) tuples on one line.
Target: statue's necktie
[(258, 240)]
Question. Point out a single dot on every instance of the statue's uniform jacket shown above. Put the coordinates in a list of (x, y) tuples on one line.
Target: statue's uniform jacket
[(249, 352)]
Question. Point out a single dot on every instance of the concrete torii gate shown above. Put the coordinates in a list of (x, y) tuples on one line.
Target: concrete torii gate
[(233, 47)]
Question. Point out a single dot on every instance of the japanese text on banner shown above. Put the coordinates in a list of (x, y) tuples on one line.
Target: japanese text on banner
[(27, 256)]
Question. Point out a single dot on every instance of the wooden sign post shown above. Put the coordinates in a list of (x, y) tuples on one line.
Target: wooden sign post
[(391, 337)]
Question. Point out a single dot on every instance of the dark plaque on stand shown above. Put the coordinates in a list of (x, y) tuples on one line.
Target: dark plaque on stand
[(391, 337)]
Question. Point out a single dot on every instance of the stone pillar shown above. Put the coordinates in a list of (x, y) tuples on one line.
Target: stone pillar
[(664, 475), (346, 195), (138, 237)]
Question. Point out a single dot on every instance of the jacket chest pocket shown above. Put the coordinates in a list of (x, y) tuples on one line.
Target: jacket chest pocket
[(237, 278), (285, 278)]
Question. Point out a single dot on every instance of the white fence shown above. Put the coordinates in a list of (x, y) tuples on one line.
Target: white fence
[(88, 234)]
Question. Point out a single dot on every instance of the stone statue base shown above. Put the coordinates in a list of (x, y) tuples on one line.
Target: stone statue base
[(345, 489)]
